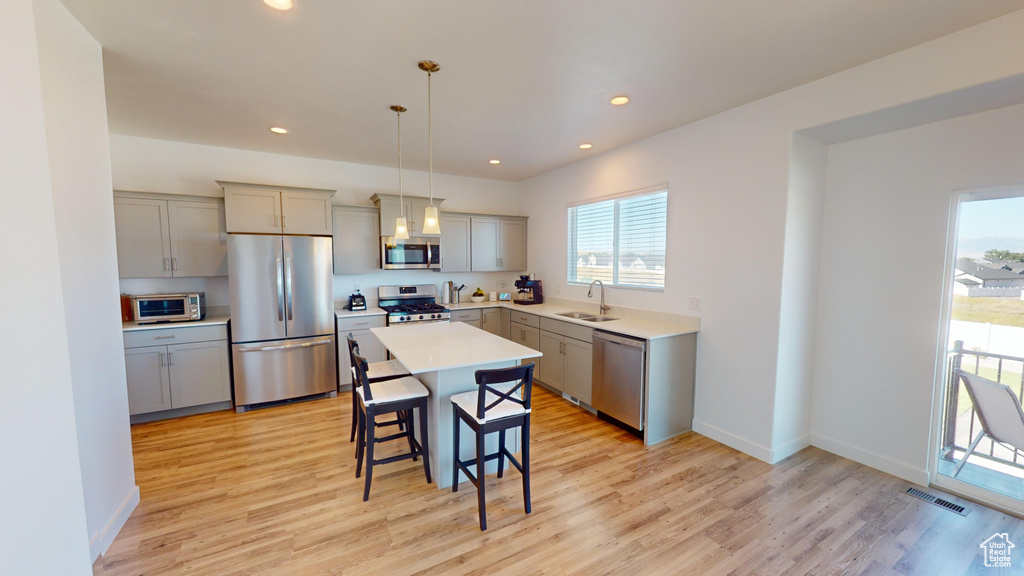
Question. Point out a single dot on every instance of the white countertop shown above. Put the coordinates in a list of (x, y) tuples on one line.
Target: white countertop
[(438, 346), (210, 320), (370, 311), (630, 322)]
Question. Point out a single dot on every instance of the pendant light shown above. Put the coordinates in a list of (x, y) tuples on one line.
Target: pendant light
[(401, 227), (431, 225)]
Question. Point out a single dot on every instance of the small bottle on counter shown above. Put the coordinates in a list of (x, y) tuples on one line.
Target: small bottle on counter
[(126, 308)]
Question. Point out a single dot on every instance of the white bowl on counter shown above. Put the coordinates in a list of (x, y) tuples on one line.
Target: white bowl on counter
[(477, 299)]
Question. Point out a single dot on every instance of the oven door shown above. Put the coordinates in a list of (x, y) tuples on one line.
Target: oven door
[(411, 254)]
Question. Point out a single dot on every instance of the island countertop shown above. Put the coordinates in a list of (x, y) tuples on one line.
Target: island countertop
[(444, 345)]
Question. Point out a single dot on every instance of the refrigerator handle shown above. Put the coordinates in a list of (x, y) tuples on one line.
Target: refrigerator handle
[(288, 282), (280, 292)]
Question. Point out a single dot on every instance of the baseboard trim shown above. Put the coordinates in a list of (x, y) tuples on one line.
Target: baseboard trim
[(868, 458), (731, 440), (783, 451), (102, 541)]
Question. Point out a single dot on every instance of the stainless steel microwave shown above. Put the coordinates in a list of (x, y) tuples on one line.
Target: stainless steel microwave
[(152, 308), (410, 254)]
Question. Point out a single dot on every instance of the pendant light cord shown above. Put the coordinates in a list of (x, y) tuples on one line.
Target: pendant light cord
[(430, 144), (401, 197)]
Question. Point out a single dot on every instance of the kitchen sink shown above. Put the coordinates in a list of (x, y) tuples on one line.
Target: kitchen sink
[(598, 318), (576, 315)]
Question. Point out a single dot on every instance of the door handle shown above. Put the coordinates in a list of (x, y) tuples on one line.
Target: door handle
[(280, 292), (286, 346), (288, 281)]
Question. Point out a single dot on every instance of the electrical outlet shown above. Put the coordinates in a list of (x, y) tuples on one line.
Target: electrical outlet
[(356, 286), (558, 288), (504, 284), (694, 303)]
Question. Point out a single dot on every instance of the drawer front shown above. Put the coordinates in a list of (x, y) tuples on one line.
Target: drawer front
[(346, 325), (177, 335), (584, 333), (526, 319), (466, 315)]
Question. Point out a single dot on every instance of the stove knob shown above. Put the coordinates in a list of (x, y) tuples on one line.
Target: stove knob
[(421, 316), (404, 318), (432, 316)]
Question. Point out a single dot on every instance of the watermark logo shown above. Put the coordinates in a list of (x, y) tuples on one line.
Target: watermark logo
[(997, 550)]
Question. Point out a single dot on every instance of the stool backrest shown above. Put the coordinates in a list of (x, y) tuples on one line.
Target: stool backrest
[(359, 369), (486, 379)]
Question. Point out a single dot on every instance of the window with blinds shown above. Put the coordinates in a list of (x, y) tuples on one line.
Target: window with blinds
[(619, 241)]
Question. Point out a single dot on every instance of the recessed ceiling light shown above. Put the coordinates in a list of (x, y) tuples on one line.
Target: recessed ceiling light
[(278, 130), (619, 100), (495, 161), (279, 4), (586, 146)]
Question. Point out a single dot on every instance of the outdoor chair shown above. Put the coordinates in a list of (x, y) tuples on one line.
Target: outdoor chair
[(999, 410)]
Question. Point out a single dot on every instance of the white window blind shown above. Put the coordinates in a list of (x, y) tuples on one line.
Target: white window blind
[(620, 241)]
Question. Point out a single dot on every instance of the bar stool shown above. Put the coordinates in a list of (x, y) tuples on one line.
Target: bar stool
[(494, 409), (375, 372), (401, 395)]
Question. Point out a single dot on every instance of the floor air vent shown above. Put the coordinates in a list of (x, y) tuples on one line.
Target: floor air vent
[(946, 504)]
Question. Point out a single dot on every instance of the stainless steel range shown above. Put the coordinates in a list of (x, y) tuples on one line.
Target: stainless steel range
[(411, 304)]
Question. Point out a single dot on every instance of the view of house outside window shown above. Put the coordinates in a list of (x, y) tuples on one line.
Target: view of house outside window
[(620, 241)]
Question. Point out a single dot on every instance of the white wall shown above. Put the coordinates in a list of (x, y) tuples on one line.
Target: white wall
[(886, 215), (793, 383), (146, 165), (42, 507), (71, 66), (728, 193)]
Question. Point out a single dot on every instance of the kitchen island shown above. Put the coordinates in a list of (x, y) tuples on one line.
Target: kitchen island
[(445, 356)]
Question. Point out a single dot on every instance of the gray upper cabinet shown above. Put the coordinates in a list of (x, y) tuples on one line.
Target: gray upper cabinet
[(391, 207), (260, 209), (159, 238), (455, 244), (356, 240), (498, 243)]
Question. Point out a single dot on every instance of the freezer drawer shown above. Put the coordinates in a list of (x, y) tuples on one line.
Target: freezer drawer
[(283, 369)]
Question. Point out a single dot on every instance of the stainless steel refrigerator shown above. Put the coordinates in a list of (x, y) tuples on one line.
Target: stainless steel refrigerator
[(282, 317)]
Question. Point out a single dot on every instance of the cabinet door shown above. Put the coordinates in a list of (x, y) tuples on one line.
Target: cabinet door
[(390, 210), (306, 213), (506, 323), (492, 320), (199, 245), (551, 363), (143, 238), (369, 346), (252, 210), (455, 246), (578, 368), (512, 237), (199, 373), (356, 241), (484, 234), (149, 386)]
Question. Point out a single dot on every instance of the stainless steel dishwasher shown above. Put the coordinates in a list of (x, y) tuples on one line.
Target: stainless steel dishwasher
[(618, 379)]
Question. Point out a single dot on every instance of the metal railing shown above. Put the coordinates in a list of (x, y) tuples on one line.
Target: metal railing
[(960, 421)]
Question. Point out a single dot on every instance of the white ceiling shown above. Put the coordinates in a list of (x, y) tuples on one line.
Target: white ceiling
[(525, 81)]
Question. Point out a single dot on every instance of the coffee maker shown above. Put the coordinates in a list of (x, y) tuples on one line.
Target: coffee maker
[(530, 291)]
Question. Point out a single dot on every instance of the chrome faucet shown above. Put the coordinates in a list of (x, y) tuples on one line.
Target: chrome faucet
[(590, 294)]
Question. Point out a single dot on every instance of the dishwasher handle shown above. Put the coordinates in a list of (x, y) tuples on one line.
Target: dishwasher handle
[(620, 339)]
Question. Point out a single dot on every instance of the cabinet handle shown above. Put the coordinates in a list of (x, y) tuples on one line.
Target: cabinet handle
[(174, 263), (162, 361), (163, 337), (361, 323), (167, 264), (170, 358), (283, 222)]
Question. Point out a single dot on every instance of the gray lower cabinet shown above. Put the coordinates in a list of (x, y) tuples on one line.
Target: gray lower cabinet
[(567, 362), (369, 346), (192, 371), (492, 320), (506, 323), (471, 317)]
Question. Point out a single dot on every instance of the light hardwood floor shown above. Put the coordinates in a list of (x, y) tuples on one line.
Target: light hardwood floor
[(274, 492)]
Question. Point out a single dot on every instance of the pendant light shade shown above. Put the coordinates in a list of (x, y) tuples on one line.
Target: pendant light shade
[(431, 224), (401, 227)]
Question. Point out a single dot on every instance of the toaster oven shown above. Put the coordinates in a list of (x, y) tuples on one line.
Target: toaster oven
[(152, 308)]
